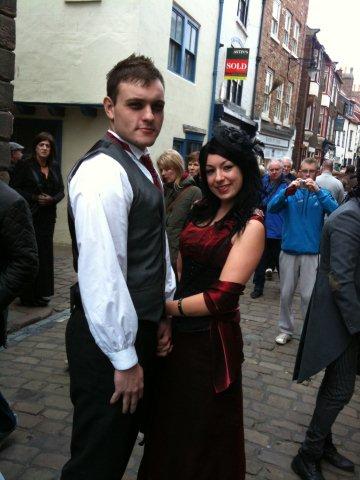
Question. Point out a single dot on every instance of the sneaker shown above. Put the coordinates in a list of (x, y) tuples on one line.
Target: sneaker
[(268, 273), (282, 338)]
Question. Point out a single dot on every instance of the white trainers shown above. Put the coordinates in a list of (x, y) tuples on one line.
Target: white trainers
[(268, 273), (282, 338)]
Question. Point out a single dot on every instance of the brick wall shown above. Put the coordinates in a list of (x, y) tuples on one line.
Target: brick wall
[(274, 56), (7, 67)]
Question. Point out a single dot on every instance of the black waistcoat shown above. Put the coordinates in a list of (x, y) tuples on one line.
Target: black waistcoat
[(146, 267)]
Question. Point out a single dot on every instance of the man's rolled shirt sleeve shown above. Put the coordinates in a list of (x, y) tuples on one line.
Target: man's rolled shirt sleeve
[(101, 197)]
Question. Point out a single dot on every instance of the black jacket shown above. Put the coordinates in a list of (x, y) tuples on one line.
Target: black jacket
[(333, 316), (18, 251)]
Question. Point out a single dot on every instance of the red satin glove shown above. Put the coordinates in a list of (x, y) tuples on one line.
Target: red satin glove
[(223, 297)]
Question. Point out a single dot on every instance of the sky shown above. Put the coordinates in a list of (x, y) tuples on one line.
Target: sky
[(339, 31)]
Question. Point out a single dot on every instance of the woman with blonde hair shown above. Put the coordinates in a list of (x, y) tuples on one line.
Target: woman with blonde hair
[(180, 194)]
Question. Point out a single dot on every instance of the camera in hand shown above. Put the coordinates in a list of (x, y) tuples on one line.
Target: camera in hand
[(302, 183)]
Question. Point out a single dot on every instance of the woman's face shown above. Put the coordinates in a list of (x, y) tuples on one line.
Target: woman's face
[(43, 150), (193, 168), (224, 178), (168, 174)]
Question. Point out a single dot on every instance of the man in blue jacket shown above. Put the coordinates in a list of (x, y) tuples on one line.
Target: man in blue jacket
[(304, 205), (271, 185)]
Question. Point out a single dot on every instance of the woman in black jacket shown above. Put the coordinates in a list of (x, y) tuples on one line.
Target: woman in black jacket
[(39, 181)]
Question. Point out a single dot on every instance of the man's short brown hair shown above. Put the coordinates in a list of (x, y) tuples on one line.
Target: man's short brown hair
[(309, 161), (134, 69)]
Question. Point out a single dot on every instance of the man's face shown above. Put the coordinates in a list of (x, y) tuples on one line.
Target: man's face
[(138, 113), (275, 170), (16, 155), (286, 167), (307, 170)]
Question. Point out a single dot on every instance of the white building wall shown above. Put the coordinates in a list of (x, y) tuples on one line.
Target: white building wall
[(64, 50), (231, 31)]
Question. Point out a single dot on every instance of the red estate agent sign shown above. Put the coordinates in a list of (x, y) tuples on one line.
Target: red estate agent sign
[(236, 66)]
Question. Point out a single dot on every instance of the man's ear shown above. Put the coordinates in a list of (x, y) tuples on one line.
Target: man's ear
[(109, 108)]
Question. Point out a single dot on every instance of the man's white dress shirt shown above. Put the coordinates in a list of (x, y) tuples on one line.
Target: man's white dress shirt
[(101, 196)]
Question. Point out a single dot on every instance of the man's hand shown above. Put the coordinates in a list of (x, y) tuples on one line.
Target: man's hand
[(45, 200), (293, 186), (130, 385), (164, 345), (311, 185)]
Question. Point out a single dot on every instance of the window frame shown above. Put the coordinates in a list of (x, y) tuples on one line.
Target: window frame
[(187, 48), (279, 102), (275, 20), (287, 28), (243, 14), (267, 88), (234, 95), (295, 37), (288, 101)]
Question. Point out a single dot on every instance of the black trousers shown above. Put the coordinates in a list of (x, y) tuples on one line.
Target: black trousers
[(335, 392), (103, 437), (269, 259)]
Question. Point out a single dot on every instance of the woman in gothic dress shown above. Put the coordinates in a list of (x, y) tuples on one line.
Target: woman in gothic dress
[(196, 430)]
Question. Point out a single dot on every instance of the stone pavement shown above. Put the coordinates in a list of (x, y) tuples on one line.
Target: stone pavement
[(20, 316), (276, 410)]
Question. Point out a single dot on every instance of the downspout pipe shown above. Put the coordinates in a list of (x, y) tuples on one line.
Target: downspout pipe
[(215, 69), (258, 59)]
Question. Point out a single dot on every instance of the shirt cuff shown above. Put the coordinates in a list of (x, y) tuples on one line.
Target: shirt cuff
[(124, 359)]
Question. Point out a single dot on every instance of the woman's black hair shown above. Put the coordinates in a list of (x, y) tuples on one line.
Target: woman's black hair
[(40, 137), (237, 146)]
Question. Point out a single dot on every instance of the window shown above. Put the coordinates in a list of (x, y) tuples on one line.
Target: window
[(234, 89), (309, 119), (295, 39), (183, 45), (325, 79), (334, 93), (242, 11), (288, 98), (323, 120), (350, 141), (343, 139), (315, 76), (191, 143), (330, 129), (275, 18), (278, 102), (268, 85), (288, 20)]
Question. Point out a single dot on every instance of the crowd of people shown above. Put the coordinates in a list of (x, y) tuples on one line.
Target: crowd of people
[(162, 257)]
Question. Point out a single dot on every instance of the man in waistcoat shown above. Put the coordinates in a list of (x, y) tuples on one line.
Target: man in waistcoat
[(117, 324)]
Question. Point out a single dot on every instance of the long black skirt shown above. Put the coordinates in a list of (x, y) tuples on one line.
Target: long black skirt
[(43, 286), (194, 433)]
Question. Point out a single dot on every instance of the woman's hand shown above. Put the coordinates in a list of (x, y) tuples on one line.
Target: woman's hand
[(45, 200), (164, 345)]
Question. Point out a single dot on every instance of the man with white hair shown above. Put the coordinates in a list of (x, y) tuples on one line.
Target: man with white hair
[(272, 183), (328, 181), (287, 167)]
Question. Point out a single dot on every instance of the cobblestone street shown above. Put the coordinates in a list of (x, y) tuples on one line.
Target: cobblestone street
[(277, 411)]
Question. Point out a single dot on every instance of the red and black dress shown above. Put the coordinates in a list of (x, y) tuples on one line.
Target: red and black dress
[(196, 432)]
